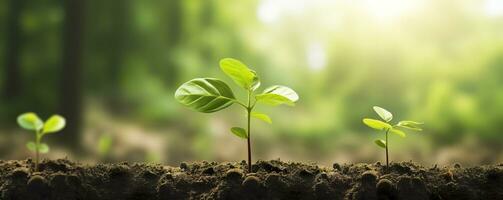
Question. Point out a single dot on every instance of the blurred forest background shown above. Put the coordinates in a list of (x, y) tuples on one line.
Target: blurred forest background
[(111, 68)]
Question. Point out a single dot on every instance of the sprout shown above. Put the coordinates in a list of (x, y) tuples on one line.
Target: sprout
[(209, 95), (387, 128), (30, 121)]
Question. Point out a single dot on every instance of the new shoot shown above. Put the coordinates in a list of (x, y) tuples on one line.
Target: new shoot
[(387, 128), (30, 121), (209, 95)]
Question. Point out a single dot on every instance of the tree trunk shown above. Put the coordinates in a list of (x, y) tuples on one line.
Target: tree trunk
[(12, 80), (71, 73)]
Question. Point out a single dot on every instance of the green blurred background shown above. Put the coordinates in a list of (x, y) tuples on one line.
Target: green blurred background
[(111, 67)]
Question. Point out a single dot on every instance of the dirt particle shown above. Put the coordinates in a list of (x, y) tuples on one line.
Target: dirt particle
[(336, 166), (37, 186), (58, 180), (457, 165), (20, 173), (369, 177), (184, 166), (209, 171), (251, 183), (322, 190), (384, 189), (119, 171), (304, 173), (234, 175), (448, 176), (411, 188), (73, 180), (149, 175)]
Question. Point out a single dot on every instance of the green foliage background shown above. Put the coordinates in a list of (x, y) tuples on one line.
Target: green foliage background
[(438, 62)]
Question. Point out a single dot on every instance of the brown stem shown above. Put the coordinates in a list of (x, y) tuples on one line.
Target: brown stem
[(387, 162), (249, 144)]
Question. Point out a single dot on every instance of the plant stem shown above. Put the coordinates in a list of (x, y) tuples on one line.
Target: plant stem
[(37, 145), (248, 110), (387, 163)]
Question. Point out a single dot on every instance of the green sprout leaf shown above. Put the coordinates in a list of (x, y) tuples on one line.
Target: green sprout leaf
[(411, 125), (240, 73), (54, 124), (282, 91), (43, 148), (273, 100), (262, 117), (240, 132), (383, 113), (381, 143), (398, 132), (205, 95), (30, 121), (376, 124), (31, 146)]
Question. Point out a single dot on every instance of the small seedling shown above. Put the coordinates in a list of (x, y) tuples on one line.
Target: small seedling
[(31, 121), (209, 95), (387, 128)]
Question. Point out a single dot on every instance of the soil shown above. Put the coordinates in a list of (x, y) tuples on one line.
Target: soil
[(66, 180)]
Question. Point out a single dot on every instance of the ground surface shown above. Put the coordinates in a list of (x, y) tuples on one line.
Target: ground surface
[(66, 180)]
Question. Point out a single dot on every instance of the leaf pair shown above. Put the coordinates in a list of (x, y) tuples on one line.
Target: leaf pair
[(209, 95), (31, 121), (384, 126)]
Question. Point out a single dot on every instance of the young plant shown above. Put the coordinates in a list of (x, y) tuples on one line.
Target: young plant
[(31, 121), (209, 95), (387, 128)]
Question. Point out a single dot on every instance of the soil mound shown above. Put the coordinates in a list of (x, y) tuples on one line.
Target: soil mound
[(66, 180)]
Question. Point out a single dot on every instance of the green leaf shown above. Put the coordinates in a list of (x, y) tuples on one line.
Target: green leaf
[(30, 121), (383, 113), (398, 132), (240, 132), (31, 146), (411, 125), (240, 73), (54, 124), (255, 82), (262, 117), (376, 124), (273, 99), (43, 148), (104, 144), (205, 95), (381, 143), (282, 91)]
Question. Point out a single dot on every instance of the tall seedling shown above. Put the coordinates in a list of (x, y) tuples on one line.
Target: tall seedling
[(31, 121), (209, 95), (387, 128)]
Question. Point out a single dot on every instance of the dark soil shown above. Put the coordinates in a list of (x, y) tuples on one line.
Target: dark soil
[(66, 180)]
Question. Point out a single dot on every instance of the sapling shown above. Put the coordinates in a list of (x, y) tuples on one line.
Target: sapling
[(31, 121), (209, 95), (387, 128)]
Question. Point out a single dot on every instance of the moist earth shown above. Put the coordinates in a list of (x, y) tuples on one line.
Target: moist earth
[(66, 180)]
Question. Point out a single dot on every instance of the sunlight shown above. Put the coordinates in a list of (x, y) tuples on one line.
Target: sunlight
[(387, 11), (316, 56), (494, 8)]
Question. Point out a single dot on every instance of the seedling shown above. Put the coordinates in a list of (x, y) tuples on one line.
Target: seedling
[(209, 95), (31, 121), (387, 128)]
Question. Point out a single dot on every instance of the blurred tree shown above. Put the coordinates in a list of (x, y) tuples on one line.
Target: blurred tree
[(13, 45), (72, 70)]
